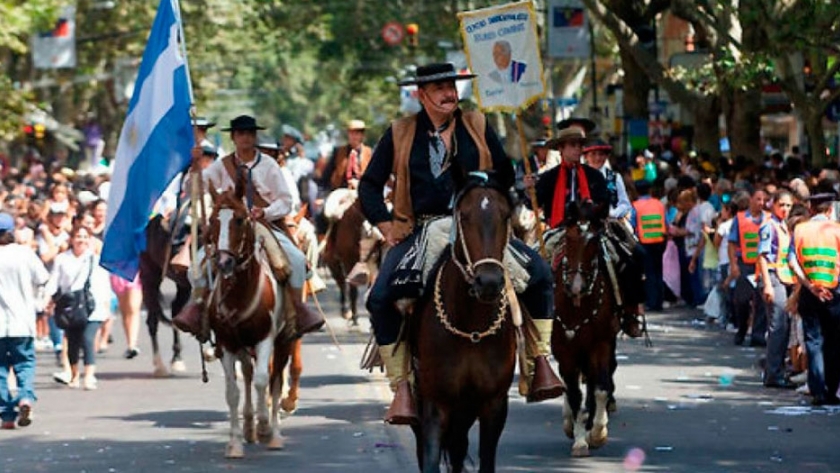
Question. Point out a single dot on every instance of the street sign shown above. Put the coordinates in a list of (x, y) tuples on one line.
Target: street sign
[(393, 33)]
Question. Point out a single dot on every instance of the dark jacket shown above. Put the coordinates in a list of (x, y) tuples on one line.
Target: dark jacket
[(429, 195)]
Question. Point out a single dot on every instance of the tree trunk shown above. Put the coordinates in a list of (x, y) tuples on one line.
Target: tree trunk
[(636, 87), (706, 126), (743, 124), (816, 139)]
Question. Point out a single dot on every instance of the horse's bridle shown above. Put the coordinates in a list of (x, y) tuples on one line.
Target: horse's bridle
[(468, 267), (571, 331), (468, 270), (240, 262)]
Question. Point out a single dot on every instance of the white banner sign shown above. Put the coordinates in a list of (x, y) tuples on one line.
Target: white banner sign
[(502, 50), (568, 29), (57, 48)]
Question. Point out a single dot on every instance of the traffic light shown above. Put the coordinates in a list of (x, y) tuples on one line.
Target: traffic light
[(412, 30), (28, 130)]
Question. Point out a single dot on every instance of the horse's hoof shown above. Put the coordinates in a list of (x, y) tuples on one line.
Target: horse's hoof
[(276, 443), (597, 439), (580, 451), (160, 372), (347, 315), (288, 405), (178, 367), (234, 450)]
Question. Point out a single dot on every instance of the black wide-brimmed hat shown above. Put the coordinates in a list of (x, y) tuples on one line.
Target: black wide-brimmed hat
[(243, 123), (202, 122), (585, 123), (440, 72)]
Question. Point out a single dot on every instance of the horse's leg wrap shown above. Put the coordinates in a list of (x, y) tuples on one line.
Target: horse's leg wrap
[(403, 410), (544, 383)]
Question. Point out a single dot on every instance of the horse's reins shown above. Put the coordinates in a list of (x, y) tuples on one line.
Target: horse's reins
[(468, 271)]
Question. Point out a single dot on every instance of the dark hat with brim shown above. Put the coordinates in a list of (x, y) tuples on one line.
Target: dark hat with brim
[(585, 123), (822, 197), (202, 122), (565, 135), (266, 142), (243, 123), (597, 144), (441, 72)]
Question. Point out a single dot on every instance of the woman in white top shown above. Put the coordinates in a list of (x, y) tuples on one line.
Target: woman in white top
[(70, 273)]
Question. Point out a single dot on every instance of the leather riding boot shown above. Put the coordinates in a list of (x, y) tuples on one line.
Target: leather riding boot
[(402, 410), (359, 275), (189, 318), (307, 319), (181, 260), (544, 383), (631, 321)]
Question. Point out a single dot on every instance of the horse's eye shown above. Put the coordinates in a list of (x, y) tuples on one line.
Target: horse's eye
[(239, 221)]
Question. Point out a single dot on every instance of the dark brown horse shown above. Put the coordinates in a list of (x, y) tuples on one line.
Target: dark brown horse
[(341, 253), (151, 277), (584, 333), (462, 336), (246, 315)]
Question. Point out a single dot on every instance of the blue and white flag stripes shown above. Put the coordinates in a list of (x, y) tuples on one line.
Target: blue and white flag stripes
[(155, 143)]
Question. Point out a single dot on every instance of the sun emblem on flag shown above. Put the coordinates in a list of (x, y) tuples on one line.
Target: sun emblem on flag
[(132, 135)]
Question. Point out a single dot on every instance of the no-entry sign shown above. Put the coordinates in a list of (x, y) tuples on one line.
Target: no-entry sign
[(393, 33)]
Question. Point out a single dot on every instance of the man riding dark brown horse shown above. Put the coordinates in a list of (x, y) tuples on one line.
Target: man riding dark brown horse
[(343, 171), (561, 191), (420, 151)]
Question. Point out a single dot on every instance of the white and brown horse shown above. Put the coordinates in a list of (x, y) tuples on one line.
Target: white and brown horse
[(246, 315)]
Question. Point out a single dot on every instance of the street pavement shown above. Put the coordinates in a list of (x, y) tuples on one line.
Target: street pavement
[(691, 403)]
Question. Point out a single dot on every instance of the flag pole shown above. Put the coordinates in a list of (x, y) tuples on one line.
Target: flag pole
[(532, 194)]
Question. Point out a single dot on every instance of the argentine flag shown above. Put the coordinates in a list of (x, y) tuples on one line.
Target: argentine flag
[(155, 143)]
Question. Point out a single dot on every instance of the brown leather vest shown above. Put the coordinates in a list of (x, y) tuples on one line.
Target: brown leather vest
[(403, 131), (342, 156)]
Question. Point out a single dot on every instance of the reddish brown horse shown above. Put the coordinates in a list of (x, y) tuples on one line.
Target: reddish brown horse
[(341, 254), (584, 333), (463, 338), (246, 315)]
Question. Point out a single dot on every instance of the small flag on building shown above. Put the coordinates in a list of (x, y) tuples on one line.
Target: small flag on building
[(56, 49)]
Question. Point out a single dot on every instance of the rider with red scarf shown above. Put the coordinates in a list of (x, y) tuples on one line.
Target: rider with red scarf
[(574, 191)]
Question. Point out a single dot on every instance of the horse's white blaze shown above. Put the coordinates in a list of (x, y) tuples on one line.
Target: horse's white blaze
[(577, 284), (485, 202), (225, 216)]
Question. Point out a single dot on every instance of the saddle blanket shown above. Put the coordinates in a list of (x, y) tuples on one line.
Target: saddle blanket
[(434, 237)]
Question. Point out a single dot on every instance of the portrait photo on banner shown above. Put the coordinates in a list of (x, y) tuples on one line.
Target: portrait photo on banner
[(503, 51)]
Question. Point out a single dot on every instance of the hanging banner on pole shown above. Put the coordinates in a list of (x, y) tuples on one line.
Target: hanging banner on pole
[(56, 48), (503, 51), (568, 29)]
